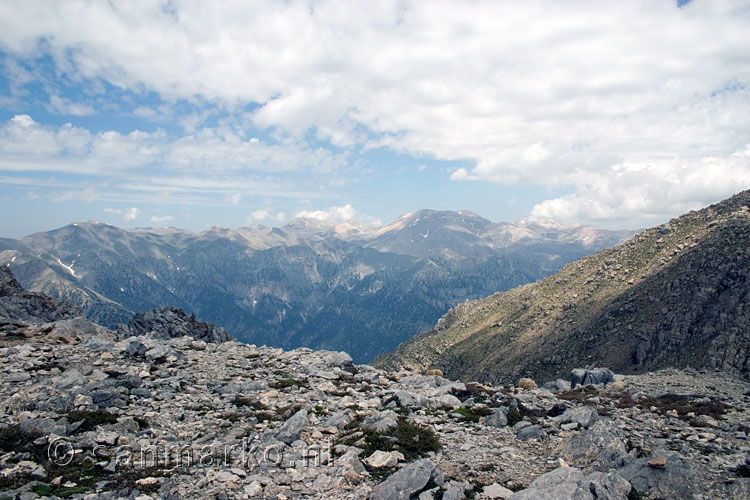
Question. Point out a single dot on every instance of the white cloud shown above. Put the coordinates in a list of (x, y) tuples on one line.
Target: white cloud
[(64, 106), (161, 219), (131, 214), (26, 145), (87, 194), (264, 214), (642, 194), (546, 93), (259, 215), (333, 214), (234, 199)]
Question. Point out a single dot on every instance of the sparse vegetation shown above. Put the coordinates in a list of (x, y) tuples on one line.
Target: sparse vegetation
[(91, 419), (286, 383), (413, 440), (472, 414)]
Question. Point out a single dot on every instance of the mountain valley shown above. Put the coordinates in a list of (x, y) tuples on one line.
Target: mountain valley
[(359, 289)]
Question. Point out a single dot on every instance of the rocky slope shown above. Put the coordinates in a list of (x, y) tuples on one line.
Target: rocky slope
[(675, 295), (149, 418), (308, 283), (142, 417), (19, 305)]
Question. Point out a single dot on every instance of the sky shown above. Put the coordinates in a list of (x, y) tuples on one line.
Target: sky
[(616, 114)]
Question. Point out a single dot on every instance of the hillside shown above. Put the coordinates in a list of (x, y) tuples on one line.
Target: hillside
[(674, 295), (309, 283)]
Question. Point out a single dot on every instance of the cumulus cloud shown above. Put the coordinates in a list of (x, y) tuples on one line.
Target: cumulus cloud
[(128, 214), (131, 214), (547, 93), (261, 215), (26, 145), (161, 219), (649, 192), (334, 214)]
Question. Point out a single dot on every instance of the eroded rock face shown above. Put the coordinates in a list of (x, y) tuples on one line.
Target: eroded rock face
[(170, 323), (18, 307)]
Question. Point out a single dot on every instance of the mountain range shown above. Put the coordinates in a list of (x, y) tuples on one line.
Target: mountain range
[(676, 295), (361, 289)]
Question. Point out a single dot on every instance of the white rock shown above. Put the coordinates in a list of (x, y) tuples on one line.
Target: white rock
[(253, 489), (497, 491), (384, 459)]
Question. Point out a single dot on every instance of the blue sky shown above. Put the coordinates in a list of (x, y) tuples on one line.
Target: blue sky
[(195, 114)]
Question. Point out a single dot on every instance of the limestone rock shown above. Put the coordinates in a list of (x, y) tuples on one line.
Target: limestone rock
[(408, 481)]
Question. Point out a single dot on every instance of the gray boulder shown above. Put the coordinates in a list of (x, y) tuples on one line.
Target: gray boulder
[(569, 483), (108, 398), (160, 353), (407, 399), (676, 480), (408, 481), (595, 376), (290, 430), (581, 415), (558, 385), (597, 448), (534, 431), (456, 490), (69, 379), (498, 418), (135, 349), (381, 421), (340, 419)]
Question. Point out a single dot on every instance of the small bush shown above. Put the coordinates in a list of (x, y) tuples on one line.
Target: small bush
[(43, 490), (472, 414), (13, 438), (412, 440), (743, 470)]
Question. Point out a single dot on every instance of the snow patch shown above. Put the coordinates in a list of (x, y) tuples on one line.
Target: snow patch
[(69, 268)]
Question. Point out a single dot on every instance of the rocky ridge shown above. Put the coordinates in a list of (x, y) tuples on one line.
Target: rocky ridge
[(171, 322), (672, 296)]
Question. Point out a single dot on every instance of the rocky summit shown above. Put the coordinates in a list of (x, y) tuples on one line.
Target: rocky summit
[(102, 416)]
